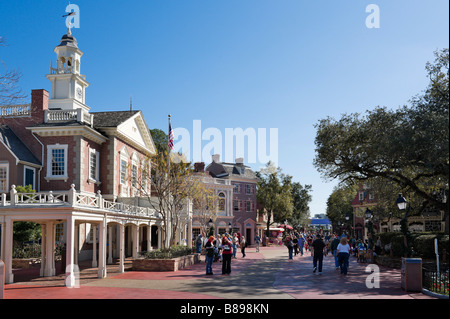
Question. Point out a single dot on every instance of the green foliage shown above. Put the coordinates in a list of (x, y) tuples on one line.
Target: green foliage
[(408, 146), (160, 139), (27, 251), (26, 231), (274, 194), (421, 243), (339, 203), (25, 189), (424, 245), (168, 253)]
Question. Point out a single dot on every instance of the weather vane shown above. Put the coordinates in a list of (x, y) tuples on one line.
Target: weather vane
[(71, 15)]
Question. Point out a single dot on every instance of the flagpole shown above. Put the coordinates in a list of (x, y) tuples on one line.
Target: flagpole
[(169, 217)]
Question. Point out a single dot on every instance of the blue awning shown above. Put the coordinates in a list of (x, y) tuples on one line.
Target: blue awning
[(320, 221)]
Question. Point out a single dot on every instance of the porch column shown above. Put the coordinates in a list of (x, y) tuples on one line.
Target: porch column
[(110, 259), (49, 250), (2, 240), (189, 235), (94, 246), (8, 249), (76, 243), (149, 238), (70, 250), (159, 237), (43, 249), (102, 250), (135, 240), (121, 248)]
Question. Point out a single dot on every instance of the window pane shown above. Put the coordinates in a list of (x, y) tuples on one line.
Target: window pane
[(58, 162), (3, 179), (123, 172), (93, 165)]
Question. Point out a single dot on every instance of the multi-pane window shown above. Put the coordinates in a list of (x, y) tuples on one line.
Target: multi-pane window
[(123, 171), (236, 204), (3, 178), (236, 188), (58, 162), (248, 189), (221, 201), (134, 174), (93, 165), (248, 206)]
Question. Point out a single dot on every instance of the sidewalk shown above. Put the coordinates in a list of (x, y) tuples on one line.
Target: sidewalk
[(268, 274)]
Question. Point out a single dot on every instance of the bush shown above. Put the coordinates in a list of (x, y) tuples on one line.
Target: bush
[(424, 245), (168, 253)]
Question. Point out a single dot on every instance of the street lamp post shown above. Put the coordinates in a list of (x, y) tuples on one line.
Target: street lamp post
[(403, 204)]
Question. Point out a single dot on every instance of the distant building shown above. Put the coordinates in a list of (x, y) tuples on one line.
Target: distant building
[(243, 182)]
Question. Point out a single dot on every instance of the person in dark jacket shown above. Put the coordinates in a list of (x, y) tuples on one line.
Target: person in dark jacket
[(317, 249), (209, 247), (333, 247)]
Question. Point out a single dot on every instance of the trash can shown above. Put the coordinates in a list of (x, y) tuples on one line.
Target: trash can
[(412, 274)]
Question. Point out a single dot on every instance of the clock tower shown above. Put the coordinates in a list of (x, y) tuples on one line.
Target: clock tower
[(67, 83)]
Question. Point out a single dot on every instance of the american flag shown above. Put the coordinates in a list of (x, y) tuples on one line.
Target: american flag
[(170, 137)]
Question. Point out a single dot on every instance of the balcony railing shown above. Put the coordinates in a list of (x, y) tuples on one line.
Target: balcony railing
[(15, 110), (74, 199), (79, 115)]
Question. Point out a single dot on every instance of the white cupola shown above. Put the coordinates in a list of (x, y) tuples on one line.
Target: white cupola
[(67, 83)]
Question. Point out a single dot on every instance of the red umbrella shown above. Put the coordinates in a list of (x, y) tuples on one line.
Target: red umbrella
[(287, 226)]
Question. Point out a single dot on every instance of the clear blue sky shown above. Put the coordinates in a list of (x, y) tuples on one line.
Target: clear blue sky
[(250, 63)]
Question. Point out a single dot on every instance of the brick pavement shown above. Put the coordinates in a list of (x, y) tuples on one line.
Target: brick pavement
[(265, 275)]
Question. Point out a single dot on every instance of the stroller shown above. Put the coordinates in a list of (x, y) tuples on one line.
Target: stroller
[(362, 258)]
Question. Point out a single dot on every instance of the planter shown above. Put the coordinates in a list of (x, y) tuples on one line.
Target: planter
[(174, 264), (24, 262)]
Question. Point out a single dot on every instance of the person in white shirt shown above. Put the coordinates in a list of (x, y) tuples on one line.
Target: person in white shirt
[(343, 253)]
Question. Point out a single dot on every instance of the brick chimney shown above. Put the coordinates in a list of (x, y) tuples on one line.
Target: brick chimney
[(39, 103), (199, 167)]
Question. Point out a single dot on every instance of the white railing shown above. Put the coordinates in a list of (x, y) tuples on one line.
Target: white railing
[(15, 110), (67, 115), (75, 199), (62, 70)]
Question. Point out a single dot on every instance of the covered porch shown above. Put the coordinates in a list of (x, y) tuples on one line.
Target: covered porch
[(116, 230)]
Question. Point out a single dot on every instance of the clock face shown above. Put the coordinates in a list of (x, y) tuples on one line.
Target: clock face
[(79, 93)]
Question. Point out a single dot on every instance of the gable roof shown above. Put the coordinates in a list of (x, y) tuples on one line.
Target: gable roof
[(111, 119), (122, 124), (231, 170), (16, 146)]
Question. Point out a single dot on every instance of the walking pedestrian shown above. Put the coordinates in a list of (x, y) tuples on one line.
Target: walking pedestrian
[(290, 246), (209, 247), (295, 242), (199, 244), (234, 244), (226, 255), (257, 242), (242, 245), (343, 252), (301, 244), (318, 247), (333, 246)]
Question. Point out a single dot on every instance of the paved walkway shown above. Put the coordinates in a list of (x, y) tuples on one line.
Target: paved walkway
[(268, 274)]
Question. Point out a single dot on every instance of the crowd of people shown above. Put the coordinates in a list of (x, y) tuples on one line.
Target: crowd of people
[(224, 248), (320, 245)]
